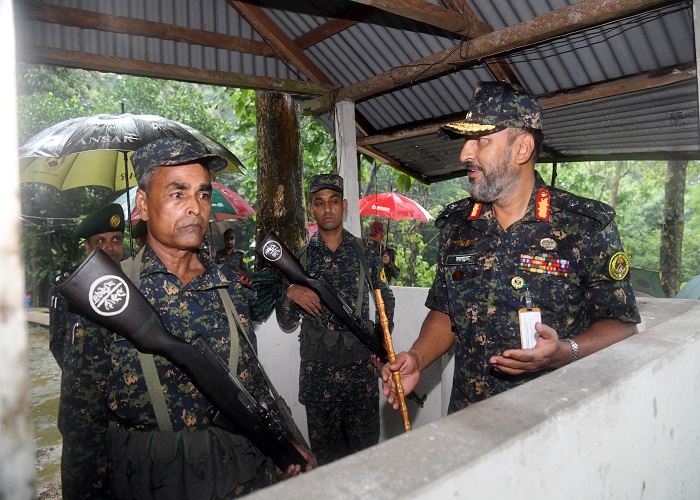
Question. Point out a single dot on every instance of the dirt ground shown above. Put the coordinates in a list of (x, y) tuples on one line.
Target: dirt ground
[(48, 484)]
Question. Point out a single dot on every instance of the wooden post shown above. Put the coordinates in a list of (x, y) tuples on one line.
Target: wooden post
[(16, 447), (346, 146), (281, 203)]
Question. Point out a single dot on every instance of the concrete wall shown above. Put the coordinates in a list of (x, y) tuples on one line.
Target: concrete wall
[(622, 423)]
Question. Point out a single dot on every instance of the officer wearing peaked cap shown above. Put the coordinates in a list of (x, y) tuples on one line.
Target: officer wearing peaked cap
[(530, 278)]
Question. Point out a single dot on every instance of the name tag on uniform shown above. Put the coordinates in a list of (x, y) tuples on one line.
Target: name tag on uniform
[(453, 260)]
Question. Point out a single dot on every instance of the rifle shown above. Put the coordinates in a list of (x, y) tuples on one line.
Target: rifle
[(278, 255), (102, 292)]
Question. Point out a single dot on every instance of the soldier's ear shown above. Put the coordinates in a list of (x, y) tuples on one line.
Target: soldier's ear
[(524, 146), (141, 204)]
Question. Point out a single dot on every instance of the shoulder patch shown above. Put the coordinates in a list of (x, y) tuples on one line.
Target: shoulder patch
[(453, 208), (602, 213), (619, 266)]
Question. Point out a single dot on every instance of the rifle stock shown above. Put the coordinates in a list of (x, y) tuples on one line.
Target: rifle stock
[(101, 291)]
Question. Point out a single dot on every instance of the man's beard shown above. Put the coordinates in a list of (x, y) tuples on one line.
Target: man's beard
[(500, 180)]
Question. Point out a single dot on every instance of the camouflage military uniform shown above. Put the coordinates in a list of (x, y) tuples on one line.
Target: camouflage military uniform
[(391, 270), (103, 384), (337, 382), (475, 283), (234, 259)]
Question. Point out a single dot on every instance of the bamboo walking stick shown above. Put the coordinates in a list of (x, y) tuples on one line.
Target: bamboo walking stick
[(389, 344)]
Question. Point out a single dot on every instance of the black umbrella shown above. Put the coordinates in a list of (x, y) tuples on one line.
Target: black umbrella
[(94, 150)]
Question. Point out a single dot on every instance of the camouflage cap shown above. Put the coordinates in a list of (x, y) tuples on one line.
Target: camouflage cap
[(496, 106), (105, 220), (171, 151), (326, 181)]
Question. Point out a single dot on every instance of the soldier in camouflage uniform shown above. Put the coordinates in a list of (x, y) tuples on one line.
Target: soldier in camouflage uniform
[(231, 255), (337, 381), (101, 229), (117, 442), (513, 247)]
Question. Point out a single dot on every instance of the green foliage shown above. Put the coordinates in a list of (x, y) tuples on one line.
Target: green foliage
[(48, 95)]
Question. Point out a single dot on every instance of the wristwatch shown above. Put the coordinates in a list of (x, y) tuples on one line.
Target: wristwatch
[(574, 349)]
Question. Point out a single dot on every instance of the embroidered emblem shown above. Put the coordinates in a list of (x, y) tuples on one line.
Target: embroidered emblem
[(464, 243), (548, 244), (453, 260), (542, 205), (517, 282), (476, 211), (619, 266), (382, 276), (115, 220)]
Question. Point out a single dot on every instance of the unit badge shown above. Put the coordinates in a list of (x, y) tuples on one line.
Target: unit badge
[(619, 266)]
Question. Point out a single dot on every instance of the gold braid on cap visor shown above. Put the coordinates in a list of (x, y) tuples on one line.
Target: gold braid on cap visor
[(463, 127)]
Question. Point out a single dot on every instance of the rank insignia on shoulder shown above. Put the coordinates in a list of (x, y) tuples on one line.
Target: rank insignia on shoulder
[(476, 211), (619, 266), (542, 205)]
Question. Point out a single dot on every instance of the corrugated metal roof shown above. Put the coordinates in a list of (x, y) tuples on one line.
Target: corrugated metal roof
[(659, 122)]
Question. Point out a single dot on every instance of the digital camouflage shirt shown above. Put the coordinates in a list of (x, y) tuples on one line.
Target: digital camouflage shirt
[(103, 380), (319, 381), (565, 250)]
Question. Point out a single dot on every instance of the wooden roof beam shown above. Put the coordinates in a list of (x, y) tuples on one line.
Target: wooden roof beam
[(642, 81), (336, 25), (281, 44), (583, 15), (74, 59), (86, 19), (434, 15)]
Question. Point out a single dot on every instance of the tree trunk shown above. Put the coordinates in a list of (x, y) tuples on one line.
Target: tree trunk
[(372, 179), (281, 202), (672, 227)]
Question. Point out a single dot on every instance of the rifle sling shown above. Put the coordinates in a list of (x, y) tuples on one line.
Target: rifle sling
[(132, 268)]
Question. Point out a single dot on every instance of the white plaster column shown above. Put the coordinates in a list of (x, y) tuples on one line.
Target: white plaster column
[(16, 447), (696, 31), (346, 147)]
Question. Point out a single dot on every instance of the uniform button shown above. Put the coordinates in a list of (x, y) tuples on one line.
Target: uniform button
[(458, 275)]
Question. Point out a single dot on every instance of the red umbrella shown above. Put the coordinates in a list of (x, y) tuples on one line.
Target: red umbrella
[(393, 206), (241, 206)]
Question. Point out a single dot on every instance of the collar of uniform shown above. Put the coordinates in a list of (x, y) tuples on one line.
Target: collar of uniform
[(316, 240), (212, 277)]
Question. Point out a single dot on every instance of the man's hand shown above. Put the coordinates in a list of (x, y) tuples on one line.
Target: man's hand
[(295, 469), (408, 366), (305, 298), (547, 353)]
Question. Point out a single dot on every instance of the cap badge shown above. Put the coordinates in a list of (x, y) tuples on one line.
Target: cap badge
[(115, 220)]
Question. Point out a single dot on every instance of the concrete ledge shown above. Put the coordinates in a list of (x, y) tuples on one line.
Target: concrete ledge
[(623, 423)]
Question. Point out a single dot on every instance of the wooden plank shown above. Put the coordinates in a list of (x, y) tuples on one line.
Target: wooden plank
[(84, 60), (583, 15), (86, 19), (350, 18), (282, 45), (433, 15)]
